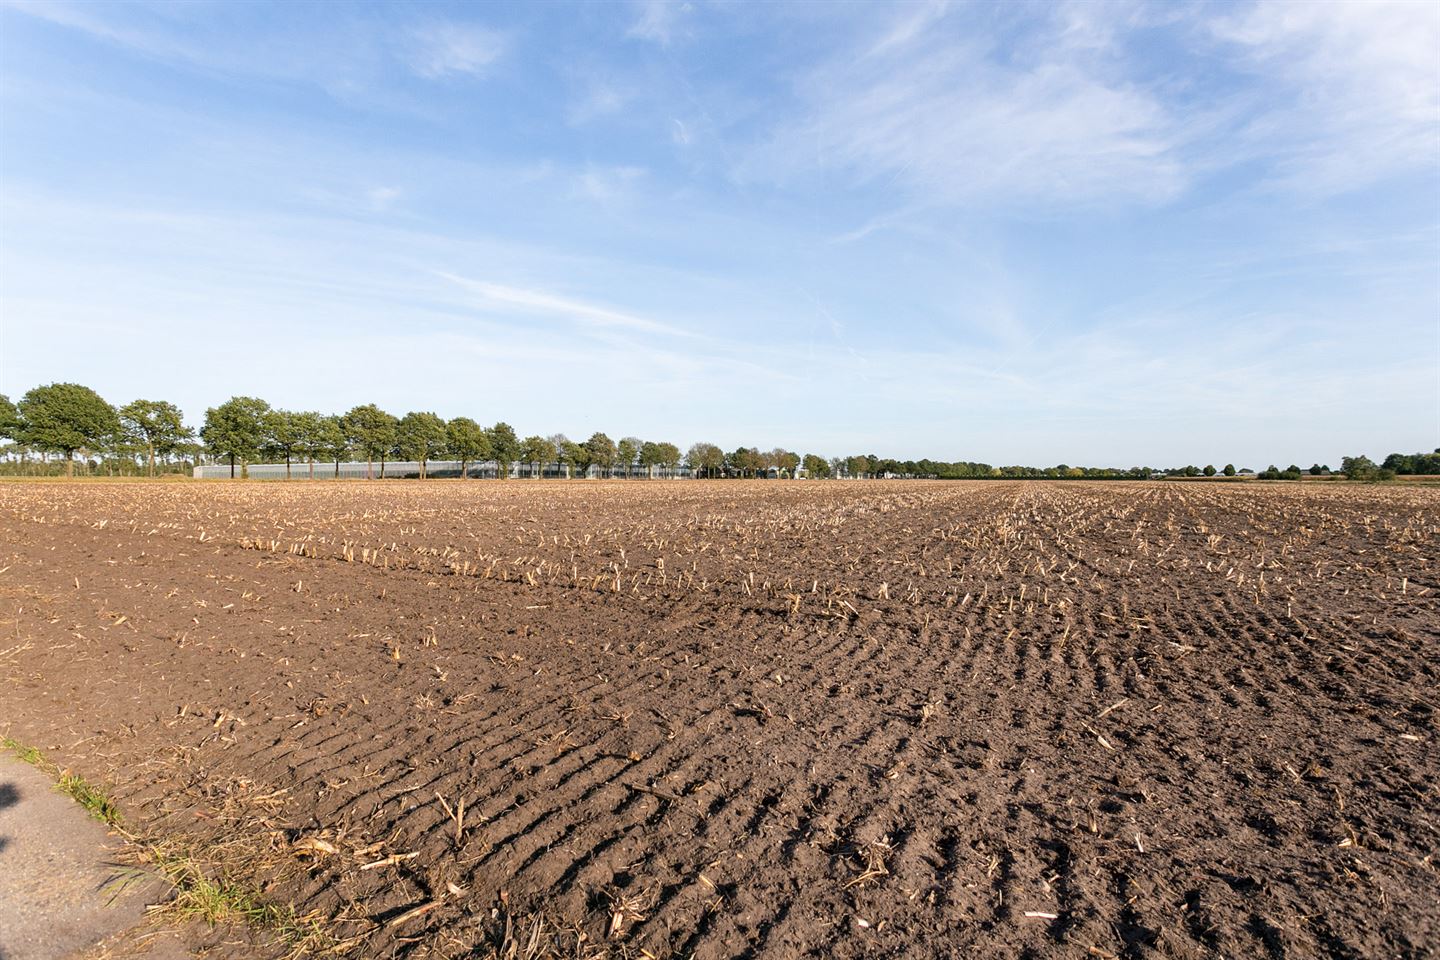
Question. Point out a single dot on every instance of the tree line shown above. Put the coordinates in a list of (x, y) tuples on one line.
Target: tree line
[(67, 419), (244, 429)]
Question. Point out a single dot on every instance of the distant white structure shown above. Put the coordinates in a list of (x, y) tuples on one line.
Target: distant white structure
[(434, 469)]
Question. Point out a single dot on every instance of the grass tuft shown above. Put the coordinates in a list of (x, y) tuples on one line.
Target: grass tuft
[(199, 896), (94, 799)]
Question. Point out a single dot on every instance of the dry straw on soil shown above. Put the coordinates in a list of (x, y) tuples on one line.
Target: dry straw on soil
[(760, 719)]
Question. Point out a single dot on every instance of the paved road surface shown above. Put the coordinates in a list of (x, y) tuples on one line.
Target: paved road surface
[(56, 876)]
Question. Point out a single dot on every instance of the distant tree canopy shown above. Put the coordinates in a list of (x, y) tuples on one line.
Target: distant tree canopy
[(745, 461), (601, 450), (422, 436), (568, 453), (158, 425), (468, 442), (308, 425), (66, 417), (9, 419), (706, 459), (660, 455), (783, 460), (1363, 468), (538, 450), (236, 430), (370, 431), (284, 436), (504, 446), (627, 451), (325, 440), (1413, 464), (562, 448), (576, 454)]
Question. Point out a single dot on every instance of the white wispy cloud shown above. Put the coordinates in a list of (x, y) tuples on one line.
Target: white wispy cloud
[(343, 294), (598, 98), (544, 302), (382, 197), (1322, 97), (93, 19), (1360, 85), (660, 21), (608, 186), (945, 117), (916, 18), (879, 319), (353, 61), (440, 49)]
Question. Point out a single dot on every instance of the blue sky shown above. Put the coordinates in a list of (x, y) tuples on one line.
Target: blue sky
[(1104, 233)]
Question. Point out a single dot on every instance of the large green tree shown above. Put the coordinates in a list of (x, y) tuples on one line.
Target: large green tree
[(539, 451), (421, 436), (158, 425), (9, 419), (468, 442), (578, 456), (747, 461), (784, 459), (329, 441), (626, 452), (370, 431), (602, 451), (309, 426), (284, 437), (816, 466), (504, 447), (564, 452), (659, 455), (1357, 468), (705, 459), (236, 430), (66, 417), (668, 455)]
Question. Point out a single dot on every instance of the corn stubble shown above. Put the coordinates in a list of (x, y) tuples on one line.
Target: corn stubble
[(866, 719)]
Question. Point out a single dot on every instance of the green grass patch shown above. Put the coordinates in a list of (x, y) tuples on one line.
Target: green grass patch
[(29, 754), (94, 799), (197, 894), (200, 896)]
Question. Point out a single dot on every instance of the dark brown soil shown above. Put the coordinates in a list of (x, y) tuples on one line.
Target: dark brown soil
[(759, 719)]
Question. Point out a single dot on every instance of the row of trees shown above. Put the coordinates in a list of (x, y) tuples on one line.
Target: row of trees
[(1397, 464), (246, 428), (67, 418), (1412, 464)]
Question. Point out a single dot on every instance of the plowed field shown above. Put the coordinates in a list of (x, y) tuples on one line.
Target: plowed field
[(677, 719)]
